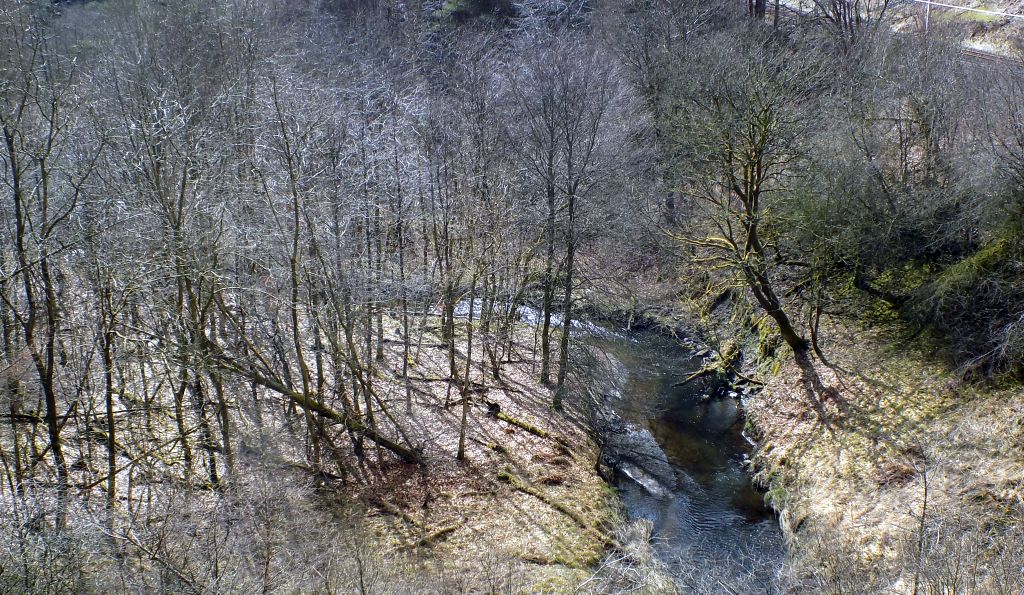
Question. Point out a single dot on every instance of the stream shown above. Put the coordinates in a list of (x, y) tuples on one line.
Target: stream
[(679, 455)]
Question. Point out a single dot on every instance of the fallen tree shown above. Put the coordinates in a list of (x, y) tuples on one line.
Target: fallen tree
[(229, 364)]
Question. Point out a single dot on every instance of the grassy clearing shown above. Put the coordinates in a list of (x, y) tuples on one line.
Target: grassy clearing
[(951, 15)]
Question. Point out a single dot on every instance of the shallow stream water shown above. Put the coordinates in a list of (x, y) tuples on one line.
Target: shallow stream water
[(680, 458), (710, 524)]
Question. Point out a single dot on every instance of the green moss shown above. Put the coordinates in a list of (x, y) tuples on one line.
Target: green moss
[(751, 429), (881, 311), (768, 339), (776, 497), (964, 274), (904, 278), (522, 425)]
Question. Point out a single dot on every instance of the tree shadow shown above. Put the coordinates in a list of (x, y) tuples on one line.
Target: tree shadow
[(816, 392), (851, 405)]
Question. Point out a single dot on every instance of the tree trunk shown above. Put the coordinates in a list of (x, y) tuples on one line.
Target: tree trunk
[(465, 392), (563, 354), (549, 283)]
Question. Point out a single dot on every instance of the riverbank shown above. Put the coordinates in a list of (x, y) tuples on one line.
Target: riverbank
[(902, 477), (526, 511)]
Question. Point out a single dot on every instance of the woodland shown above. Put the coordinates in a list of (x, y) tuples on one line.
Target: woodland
[(264, 263)]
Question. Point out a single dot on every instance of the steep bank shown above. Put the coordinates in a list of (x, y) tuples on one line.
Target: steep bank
[(901, 477), (525, 512)]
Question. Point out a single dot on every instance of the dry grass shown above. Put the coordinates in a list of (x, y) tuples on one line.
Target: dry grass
[(850, 470), (447, 526), (549, 533)]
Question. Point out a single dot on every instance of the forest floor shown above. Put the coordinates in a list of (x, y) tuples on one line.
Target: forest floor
[(901, 468), (525, 511)]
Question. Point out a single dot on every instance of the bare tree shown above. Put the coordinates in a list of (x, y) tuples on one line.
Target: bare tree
[(744, 126), (565, 95), (43, 176)]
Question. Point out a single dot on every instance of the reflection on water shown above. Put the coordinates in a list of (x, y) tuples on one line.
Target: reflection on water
[(713, 520)]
